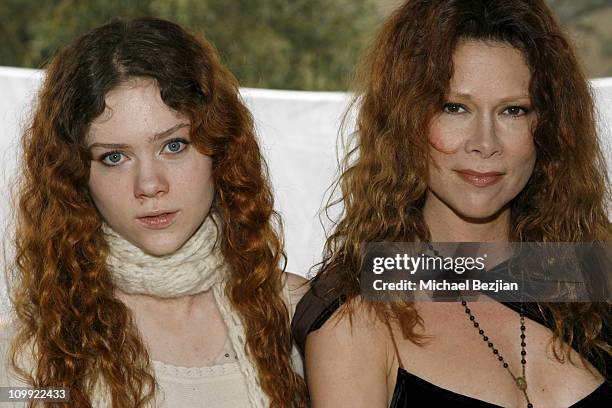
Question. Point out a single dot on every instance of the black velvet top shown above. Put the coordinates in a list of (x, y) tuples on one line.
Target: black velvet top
[(317, 306)]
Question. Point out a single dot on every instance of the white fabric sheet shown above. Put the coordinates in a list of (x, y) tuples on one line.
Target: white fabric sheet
[(298, 133)]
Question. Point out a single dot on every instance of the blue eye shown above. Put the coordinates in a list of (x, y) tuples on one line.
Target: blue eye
[(111, 158), (176, 145), (454, 108)]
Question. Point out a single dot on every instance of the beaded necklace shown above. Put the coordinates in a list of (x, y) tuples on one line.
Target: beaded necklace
[(520, 382)]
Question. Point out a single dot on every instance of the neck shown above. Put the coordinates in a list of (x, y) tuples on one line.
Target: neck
[(445, 225)]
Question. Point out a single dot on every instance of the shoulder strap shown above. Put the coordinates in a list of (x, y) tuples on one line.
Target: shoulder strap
[(397, 355), (314, 309)]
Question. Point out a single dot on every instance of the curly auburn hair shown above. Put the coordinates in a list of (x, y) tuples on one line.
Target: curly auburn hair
[(402, 85), (63, 292)]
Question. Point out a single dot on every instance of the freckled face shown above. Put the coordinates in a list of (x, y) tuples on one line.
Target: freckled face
[(148, 182), (481, 144)]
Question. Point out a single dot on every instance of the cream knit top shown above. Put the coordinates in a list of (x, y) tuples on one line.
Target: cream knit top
[(220, 385)]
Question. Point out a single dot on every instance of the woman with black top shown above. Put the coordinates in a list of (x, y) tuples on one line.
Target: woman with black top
[(475, 124)]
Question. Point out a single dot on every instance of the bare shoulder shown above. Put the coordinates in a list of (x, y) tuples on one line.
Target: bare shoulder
[(347, 359), (295, 281), (297, 287), (353, 325)]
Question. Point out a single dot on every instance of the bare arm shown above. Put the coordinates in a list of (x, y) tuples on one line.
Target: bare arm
[(347, 363)]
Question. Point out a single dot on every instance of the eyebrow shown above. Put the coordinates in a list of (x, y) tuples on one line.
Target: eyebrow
[(156, 137), (469, 97)]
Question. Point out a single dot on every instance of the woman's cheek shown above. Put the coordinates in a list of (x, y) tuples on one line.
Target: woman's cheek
[(444, 138)]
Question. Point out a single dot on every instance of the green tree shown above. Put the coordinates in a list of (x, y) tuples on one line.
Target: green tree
[(289, 44), (294, 44), (570, 10), (587, 22), (33, 30)]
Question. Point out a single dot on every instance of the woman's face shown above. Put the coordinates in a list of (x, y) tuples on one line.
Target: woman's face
[(148, 182), (481, 144)]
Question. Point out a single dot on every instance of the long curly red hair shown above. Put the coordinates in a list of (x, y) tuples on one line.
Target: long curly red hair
[(402, 85), (61, 288)]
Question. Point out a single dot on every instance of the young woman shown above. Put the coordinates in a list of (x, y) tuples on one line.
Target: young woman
[(475, 124), (147, 255)]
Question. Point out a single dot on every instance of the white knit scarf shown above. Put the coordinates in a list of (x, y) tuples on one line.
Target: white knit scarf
[(195, 267)]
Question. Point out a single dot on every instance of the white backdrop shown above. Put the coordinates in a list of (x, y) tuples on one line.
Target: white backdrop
[(298, 133)]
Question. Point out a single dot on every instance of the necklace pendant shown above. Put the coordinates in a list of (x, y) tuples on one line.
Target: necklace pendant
[(521, 383)]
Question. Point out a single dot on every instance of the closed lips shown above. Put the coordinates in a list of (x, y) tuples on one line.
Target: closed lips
[(159, 220), (480, 174), (156, 214), (479, 179)]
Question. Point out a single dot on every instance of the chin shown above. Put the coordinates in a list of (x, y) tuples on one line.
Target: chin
[(158, 250), (478, 214), (156, 246), (161, 250)]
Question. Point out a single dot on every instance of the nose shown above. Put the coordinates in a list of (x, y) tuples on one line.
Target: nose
[(151, 180), (483, 139)]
